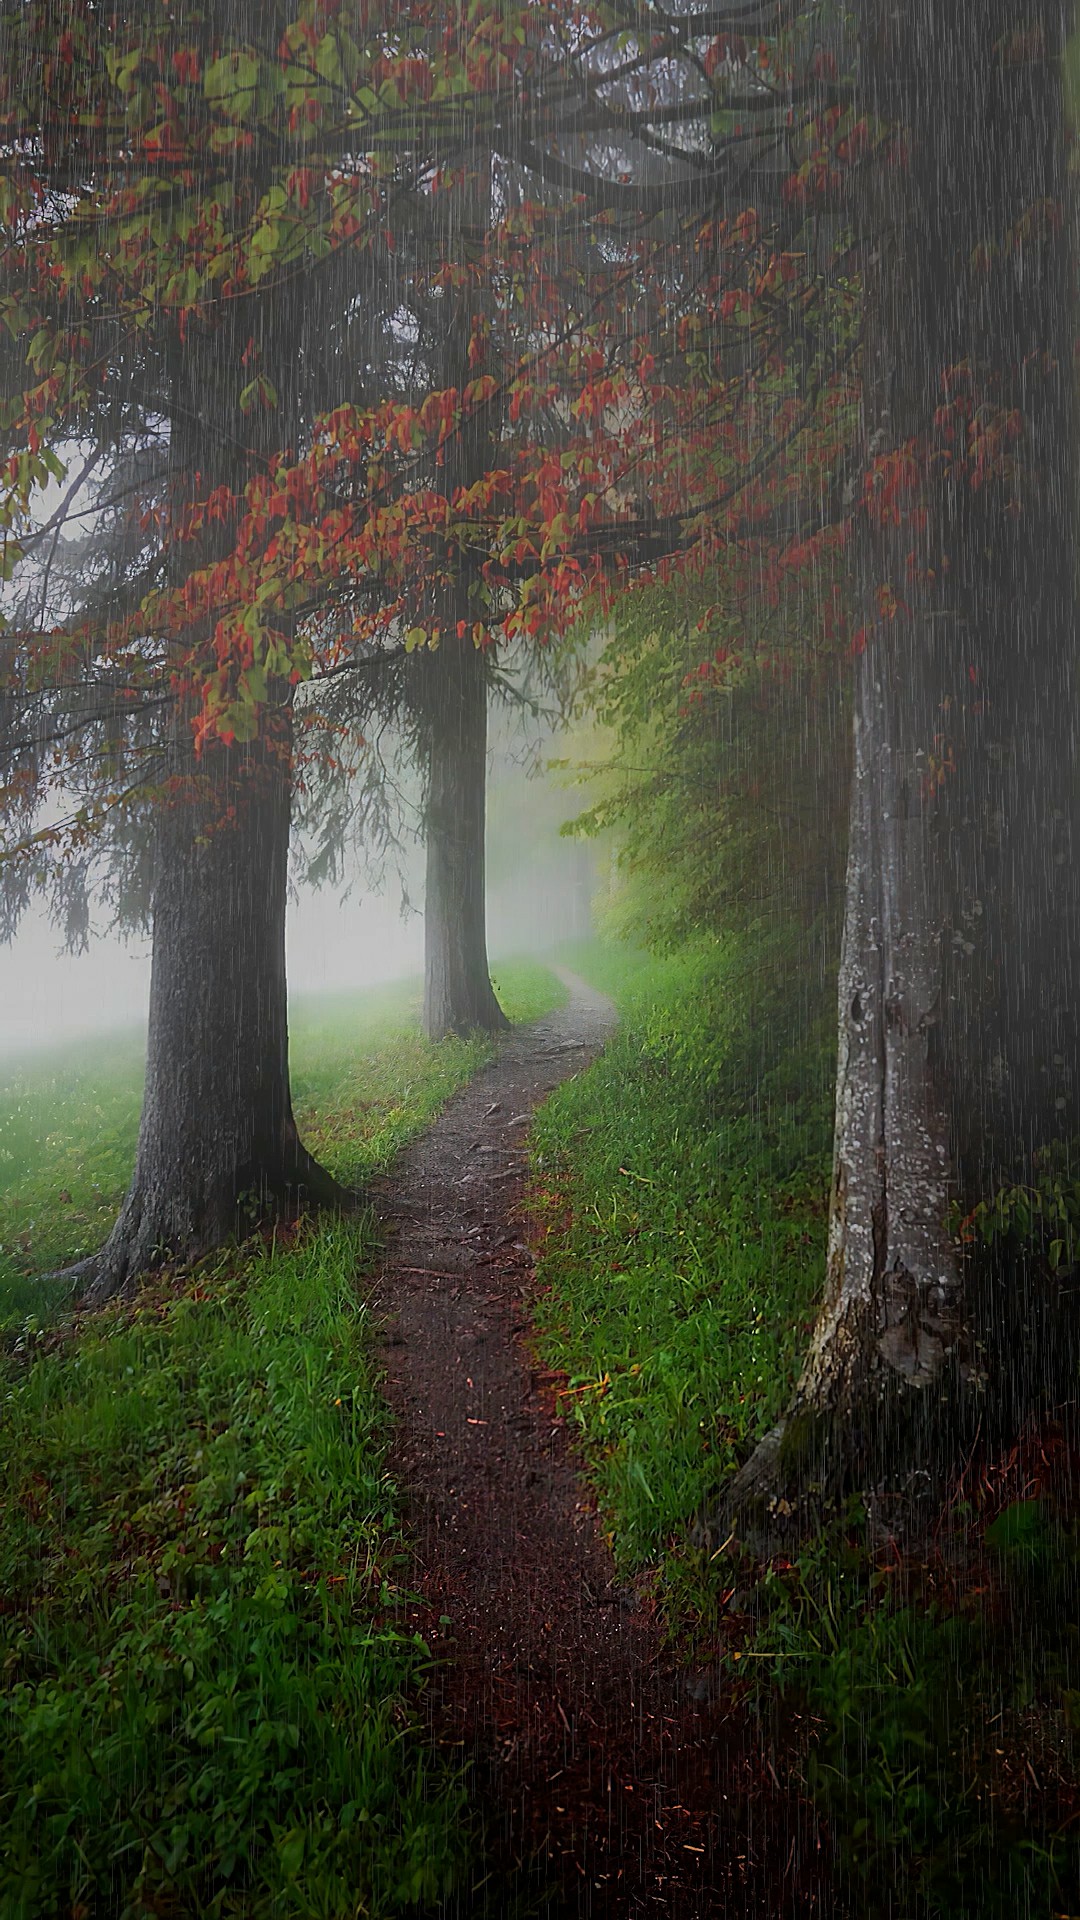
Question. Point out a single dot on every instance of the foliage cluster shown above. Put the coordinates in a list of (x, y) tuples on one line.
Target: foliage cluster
[(1040, 1217), (719, 754), (583, 374)]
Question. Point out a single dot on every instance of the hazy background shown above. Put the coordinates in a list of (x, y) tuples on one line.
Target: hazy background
[(540, 890)]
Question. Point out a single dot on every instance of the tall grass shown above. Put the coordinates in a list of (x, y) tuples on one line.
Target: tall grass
[(680, 1191)]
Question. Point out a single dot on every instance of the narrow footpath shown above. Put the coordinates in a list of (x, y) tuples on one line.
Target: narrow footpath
[(613, 1781)]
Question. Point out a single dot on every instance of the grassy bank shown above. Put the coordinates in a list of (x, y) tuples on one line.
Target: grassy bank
[(680, 1196), (925, 1696), (209, 1703)]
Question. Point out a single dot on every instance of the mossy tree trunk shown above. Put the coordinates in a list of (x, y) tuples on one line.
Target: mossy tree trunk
[(957, 1030)]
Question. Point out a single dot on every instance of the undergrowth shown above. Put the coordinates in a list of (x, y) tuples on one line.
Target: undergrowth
[(942, 1689), (207, 1697)]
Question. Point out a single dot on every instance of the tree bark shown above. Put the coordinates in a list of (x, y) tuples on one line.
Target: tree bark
[(458, 995), (957, 1030), (217, 1138)]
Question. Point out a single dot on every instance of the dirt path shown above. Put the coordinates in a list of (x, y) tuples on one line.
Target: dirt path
[(616, 1784)]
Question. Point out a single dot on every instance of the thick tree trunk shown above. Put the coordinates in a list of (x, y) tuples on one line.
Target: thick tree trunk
[(217, 1138), (957, 1031), (458, 995)]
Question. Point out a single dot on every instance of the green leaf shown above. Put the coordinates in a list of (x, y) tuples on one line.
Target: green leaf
[(121, 69), (328, 60), (38, 349), (230, 83), (291, 1852), (1022, 1529), (264, 244)]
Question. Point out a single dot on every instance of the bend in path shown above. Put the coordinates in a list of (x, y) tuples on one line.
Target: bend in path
[(611, 1787)]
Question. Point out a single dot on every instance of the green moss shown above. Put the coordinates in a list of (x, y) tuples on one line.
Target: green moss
[(804, 1446)]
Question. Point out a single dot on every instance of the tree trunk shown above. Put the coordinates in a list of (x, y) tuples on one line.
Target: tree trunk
[(458, 995), (957, 1032), (217, 1137)]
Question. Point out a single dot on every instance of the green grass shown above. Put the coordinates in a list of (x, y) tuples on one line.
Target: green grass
[(364, 1078), (928, 1705), (681, 1186), (208, 1702), (945, 1706), (364, 1081)]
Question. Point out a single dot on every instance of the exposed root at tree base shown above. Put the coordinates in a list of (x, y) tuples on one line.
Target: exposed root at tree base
[(139, 1244), (613, 1781)]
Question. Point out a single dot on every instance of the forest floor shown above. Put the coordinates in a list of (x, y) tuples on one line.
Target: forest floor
[(613, 1780)]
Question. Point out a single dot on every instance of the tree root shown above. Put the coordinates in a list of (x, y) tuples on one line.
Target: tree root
[(304, 1174), (886, 1446), (761, 1508), (133, 1249)]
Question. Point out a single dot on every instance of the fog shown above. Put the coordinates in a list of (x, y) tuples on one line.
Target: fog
[(333, 943), (338, 939)]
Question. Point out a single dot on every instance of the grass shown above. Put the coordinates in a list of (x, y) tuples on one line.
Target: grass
[(364, 1078), (942, 1686), (210, 1701), (208, 1706), (680, 1198), (364, 1081), (928, 1702)]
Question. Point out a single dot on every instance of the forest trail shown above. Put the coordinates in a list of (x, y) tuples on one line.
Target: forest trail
[(615, 1781)]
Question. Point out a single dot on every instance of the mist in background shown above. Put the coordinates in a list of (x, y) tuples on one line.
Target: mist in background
[(540, 889)]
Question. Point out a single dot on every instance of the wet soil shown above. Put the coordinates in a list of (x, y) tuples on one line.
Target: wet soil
[(613, 1781)]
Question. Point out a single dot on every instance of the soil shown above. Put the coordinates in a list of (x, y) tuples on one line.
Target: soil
[(613, 1781)]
